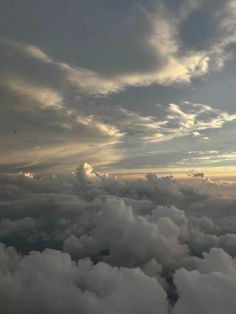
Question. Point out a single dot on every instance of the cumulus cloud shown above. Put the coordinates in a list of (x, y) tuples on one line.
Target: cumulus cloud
[(52, 282), (92, 240), (210, 288), (139, 240)]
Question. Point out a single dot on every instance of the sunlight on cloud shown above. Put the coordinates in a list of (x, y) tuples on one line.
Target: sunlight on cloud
[(102, 127), (44, 96), (179, 120), (60, 158)]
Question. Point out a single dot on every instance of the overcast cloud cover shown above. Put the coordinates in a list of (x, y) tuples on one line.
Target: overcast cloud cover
[(90, 89)]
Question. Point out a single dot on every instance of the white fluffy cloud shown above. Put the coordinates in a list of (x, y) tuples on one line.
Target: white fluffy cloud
[(132, 239), (210, 289), (51, 282)]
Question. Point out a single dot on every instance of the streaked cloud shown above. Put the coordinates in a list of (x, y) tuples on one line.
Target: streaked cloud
[(55, 99), (43, 96)]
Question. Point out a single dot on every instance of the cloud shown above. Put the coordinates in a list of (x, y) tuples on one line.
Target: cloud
[(48, 129), (172, 121), (53, 106), (50, 281), (45, 97), (157, 50), (210, 290), (19, 226), (152, 46), (196, 174), (80, 207), (91, 240), (139, 239)]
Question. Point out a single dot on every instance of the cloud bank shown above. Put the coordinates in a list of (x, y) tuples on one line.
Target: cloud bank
[(92, 243)]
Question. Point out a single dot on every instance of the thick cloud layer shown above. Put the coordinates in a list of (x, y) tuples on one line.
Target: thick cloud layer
[(51, 282), (92, 243), (209, 289)]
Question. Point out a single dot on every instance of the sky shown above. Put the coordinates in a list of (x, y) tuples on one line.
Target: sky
[(118, 159), (127, 86)]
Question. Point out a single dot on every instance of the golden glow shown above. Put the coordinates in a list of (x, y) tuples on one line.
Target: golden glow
[(27, 174), (217, 173)]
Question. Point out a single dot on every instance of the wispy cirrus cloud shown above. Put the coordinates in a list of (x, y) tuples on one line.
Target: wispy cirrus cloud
[(172, 121), (50, 95)]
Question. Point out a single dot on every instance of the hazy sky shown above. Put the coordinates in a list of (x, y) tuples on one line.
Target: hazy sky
[(125, 85)]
